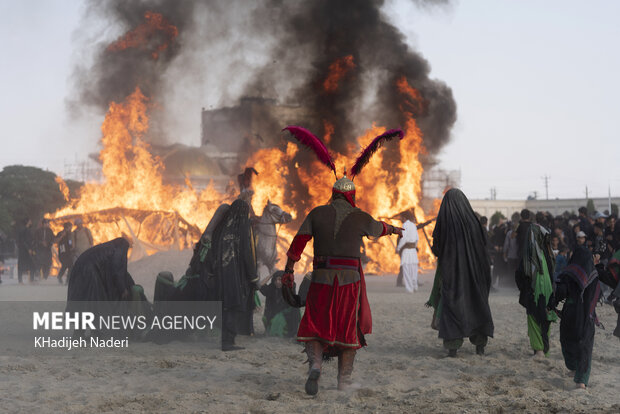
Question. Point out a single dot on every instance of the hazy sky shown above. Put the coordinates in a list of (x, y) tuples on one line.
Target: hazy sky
[(536, 84)]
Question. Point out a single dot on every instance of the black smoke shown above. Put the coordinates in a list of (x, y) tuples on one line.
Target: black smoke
[(303, 37), (314, 34)]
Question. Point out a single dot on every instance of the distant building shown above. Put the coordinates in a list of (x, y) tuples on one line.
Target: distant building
[(251, 125), (201, 165), (435, 181)]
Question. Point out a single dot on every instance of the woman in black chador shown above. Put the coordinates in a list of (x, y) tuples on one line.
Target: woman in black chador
[(460, 292), (100, 273), (578, 284), (233, 278)]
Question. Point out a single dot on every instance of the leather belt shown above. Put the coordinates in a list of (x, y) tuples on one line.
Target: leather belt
[(335, 262)]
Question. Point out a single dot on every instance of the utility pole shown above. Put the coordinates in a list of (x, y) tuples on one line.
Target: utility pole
[(493, 193), (586, 193), (546, 178)]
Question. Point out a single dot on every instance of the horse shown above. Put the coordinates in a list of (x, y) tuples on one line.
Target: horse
[(266, 238)]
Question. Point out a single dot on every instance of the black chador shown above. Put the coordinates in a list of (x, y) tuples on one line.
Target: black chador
[(610, 275), (460, 292), (233, 260), (100, 273), (578, 284)]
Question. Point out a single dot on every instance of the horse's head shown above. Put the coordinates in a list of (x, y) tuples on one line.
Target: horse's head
[(276, 213)]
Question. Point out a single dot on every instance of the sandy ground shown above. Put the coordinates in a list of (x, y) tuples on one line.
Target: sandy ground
[(403, 370)]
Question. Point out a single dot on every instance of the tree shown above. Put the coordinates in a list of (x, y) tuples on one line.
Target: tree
[(614, 209), (27, 192)]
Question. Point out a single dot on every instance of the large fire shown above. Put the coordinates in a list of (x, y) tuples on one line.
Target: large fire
[(133, 199), (156, 33), (133, 180)]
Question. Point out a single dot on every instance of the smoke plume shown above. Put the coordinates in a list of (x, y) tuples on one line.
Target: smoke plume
[(222, 50)]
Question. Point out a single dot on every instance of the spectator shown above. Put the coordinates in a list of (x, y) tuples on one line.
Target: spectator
[(42, 244), (64, 240), (581, 238), (599, 243), (82, 239), (24, 251), (561, 261), (510, 253), (584, 223)]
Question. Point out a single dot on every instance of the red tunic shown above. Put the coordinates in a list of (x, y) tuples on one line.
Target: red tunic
[(337, 310)]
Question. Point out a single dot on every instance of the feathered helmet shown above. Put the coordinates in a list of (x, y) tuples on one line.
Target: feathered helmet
[(344, 185)]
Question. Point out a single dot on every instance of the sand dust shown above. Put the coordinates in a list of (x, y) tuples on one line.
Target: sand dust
[(403, 370)]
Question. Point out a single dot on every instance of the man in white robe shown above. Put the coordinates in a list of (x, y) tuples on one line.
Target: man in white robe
[(409, 256)]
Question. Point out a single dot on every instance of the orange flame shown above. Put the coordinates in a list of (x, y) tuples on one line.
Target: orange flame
[(133, 182), (337, 71), (62, 186), (328, 127), (382, 193), (142, 36), (134, 200)]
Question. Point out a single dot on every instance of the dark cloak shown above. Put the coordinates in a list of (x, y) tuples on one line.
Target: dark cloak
[(164, 287), (610, 275), (193, 285), (233, 260), (275, 304), (578, 284), (198, 264), (274, 301), (537, 261), (100, 273), (459, 242)]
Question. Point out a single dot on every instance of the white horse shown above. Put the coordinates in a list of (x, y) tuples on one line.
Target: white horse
[(266, 238)]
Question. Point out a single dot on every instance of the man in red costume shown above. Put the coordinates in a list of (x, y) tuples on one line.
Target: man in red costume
[(337, 314)]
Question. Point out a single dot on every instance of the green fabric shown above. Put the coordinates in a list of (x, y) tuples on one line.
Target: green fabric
[(257, 301), (136, 292), (277, 326), (572, 363), (206, 245), (476, 339), (534, 332), (435, 299), (534, 257), (542, 286), (453, 343)]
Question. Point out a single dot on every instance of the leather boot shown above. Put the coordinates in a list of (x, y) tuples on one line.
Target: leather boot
[(314, 350), (345, 368)]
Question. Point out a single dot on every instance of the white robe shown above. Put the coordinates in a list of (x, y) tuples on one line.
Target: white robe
[(409, 256)]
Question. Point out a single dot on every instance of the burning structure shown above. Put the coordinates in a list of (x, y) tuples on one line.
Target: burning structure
[(350, 69)]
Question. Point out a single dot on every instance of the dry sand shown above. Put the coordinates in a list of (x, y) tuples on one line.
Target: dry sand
[(403, 370)]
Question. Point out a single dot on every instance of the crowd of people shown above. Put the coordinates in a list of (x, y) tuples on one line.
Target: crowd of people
[(597, 232), (551, 260), (34, 248), (573, 260)]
